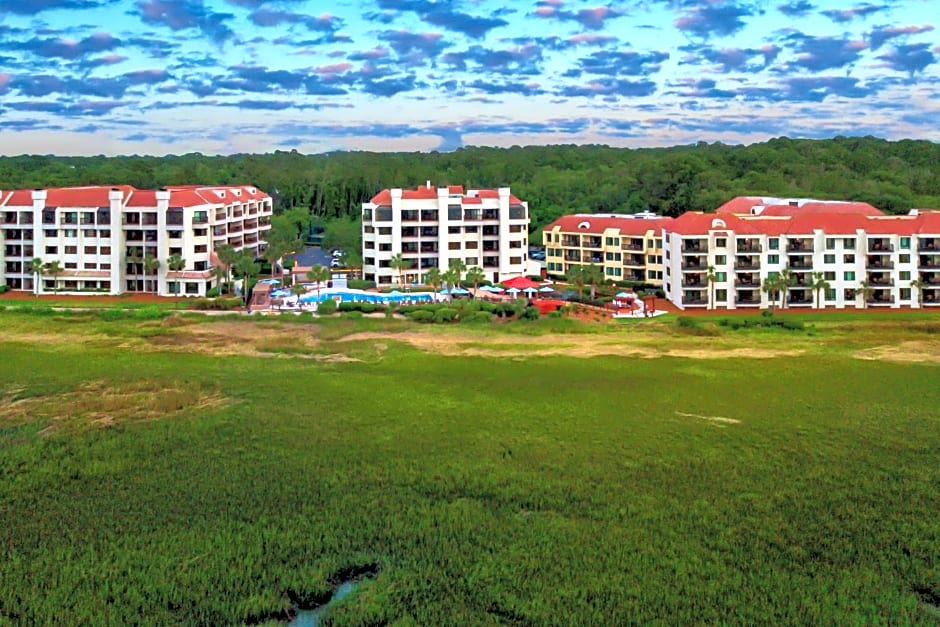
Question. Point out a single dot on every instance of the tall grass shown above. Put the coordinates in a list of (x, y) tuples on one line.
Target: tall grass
[(548, 491)]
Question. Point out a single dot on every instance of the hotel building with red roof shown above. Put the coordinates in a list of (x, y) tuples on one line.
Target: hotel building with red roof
[(104, 236), (430, 226), (624, 247), (721, 260)]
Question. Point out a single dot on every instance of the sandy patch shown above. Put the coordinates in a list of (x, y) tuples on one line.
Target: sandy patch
[(905, 352), (99, 404), (566, 345), (716, 419)]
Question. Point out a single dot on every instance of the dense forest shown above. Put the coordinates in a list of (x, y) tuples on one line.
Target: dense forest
[(555, 180)]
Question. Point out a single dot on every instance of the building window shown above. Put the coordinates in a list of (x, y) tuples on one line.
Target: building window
[(829, 258), (515, 260), (831, 294), (904, 258), (774, 243), (90, 250), (453, 230), (721, 242), (773, 258), (106, 233), (472, 261), (200, 249), (453, 212), (471, 229), (659, 243), (52, 250), (848, 243), (104, 266), (849, 276), (70, 233), (516, 212), (385, 230), (386, 248), (192, 288), (71, 250), (454, 246), (71, 265), (88, 232), (830, 243), (721, 277), (905, 293), (383, 214), (472, 245), (829, 276), (906, 243), (104, 250), (721, 296), (905, 275), (848, 294), (849, 258), (720, 260)]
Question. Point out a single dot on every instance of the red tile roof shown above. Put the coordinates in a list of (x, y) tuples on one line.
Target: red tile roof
[(99, 196), (597, 224), (743, 205), (698, 223), (422, 192), (456, 190)]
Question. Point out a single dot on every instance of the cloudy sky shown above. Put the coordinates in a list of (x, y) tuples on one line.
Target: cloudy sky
[(224, 76)]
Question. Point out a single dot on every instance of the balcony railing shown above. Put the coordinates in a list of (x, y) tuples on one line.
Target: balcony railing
[(880, 248), (747, 283), (878, 264), (886, 300), (747, 264), (694, 301), (881, 283), (694, 285), (632, 246), (690, 249), (744, 248), (800, 265), (799, 246), (929, 264)]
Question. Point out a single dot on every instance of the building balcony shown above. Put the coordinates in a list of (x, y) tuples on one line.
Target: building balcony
[(880, 247), (693, 267), (800, 264), (929, 263), (928, 243), (694, 285), (747, 301), (800, 246), (692, 248), (752, 282), (881, 283), (748, 246), (876, 300), (633, 245), (878, 264), (694, 302), (747, 263)]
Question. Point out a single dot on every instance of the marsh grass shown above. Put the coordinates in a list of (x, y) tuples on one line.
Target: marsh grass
[(549, 490)]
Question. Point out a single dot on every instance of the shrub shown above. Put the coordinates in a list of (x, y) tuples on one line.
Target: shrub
[(445, 314), (217, 304), (327, 307), (212, 293), (685, 322), (353, 314), (421, 315), (361, 307), (477, 316), (4, 288), (531, 313), (555, 314), (360, 284)]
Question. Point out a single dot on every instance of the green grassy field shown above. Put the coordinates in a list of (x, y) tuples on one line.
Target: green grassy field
[(150, 473)]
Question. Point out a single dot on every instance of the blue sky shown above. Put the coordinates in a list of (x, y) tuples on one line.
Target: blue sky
[(225, 76)]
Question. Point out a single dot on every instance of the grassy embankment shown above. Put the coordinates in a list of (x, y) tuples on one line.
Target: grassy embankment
[(216, 472)]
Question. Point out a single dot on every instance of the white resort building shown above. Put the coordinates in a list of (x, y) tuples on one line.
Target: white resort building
[(427, 226), (721, 260), (104, 238)]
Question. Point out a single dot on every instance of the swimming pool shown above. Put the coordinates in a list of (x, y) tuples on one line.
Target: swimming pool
[(359, 296)]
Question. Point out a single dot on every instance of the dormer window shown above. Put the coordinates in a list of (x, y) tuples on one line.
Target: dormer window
[(584, 225)]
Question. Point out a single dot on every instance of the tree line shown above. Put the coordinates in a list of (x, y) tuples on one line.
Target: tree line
[(892, 175)]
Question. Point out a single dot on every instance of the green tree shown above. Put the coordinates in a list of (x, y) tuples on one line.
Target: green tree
[(246, 267), (593, 275), (459, 267), (345, 234), (820, 285), (451, 277), (175, 263), (712, 277), (274, 250), (134, 261), (576, 275), (227, 257), (36, 267), (773, 286), (399, 264), (918, 285), (151, 266), (867, 291), (433, 278), (319, 274), (476, 276), (787, 279), (53, 269)]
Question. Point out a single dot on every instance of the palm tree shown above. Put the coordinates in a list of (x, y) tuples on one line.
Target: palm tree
[(772, 286), (53, 269), (220, 273), (246, 268), (274, 251), (433, 278), (399, 264), (866, 290), (820, 284), (319, 274), (228, 256), (576, 275), (919, 284), (476, 276), (36, 267), (712, 277), (175, 263), (151, 266), (593, 275), (134, 259), (452, 278), (299, 290), (787, 278), (458, 266)]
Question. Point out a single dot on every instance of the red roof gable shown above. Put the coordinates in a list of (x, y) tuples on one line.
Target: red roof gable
[(455, 190), (816, 207), (741, 204), (96, 196), (421, 193), (597, 224), (471, 200), (384, 197), (20, 198)]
